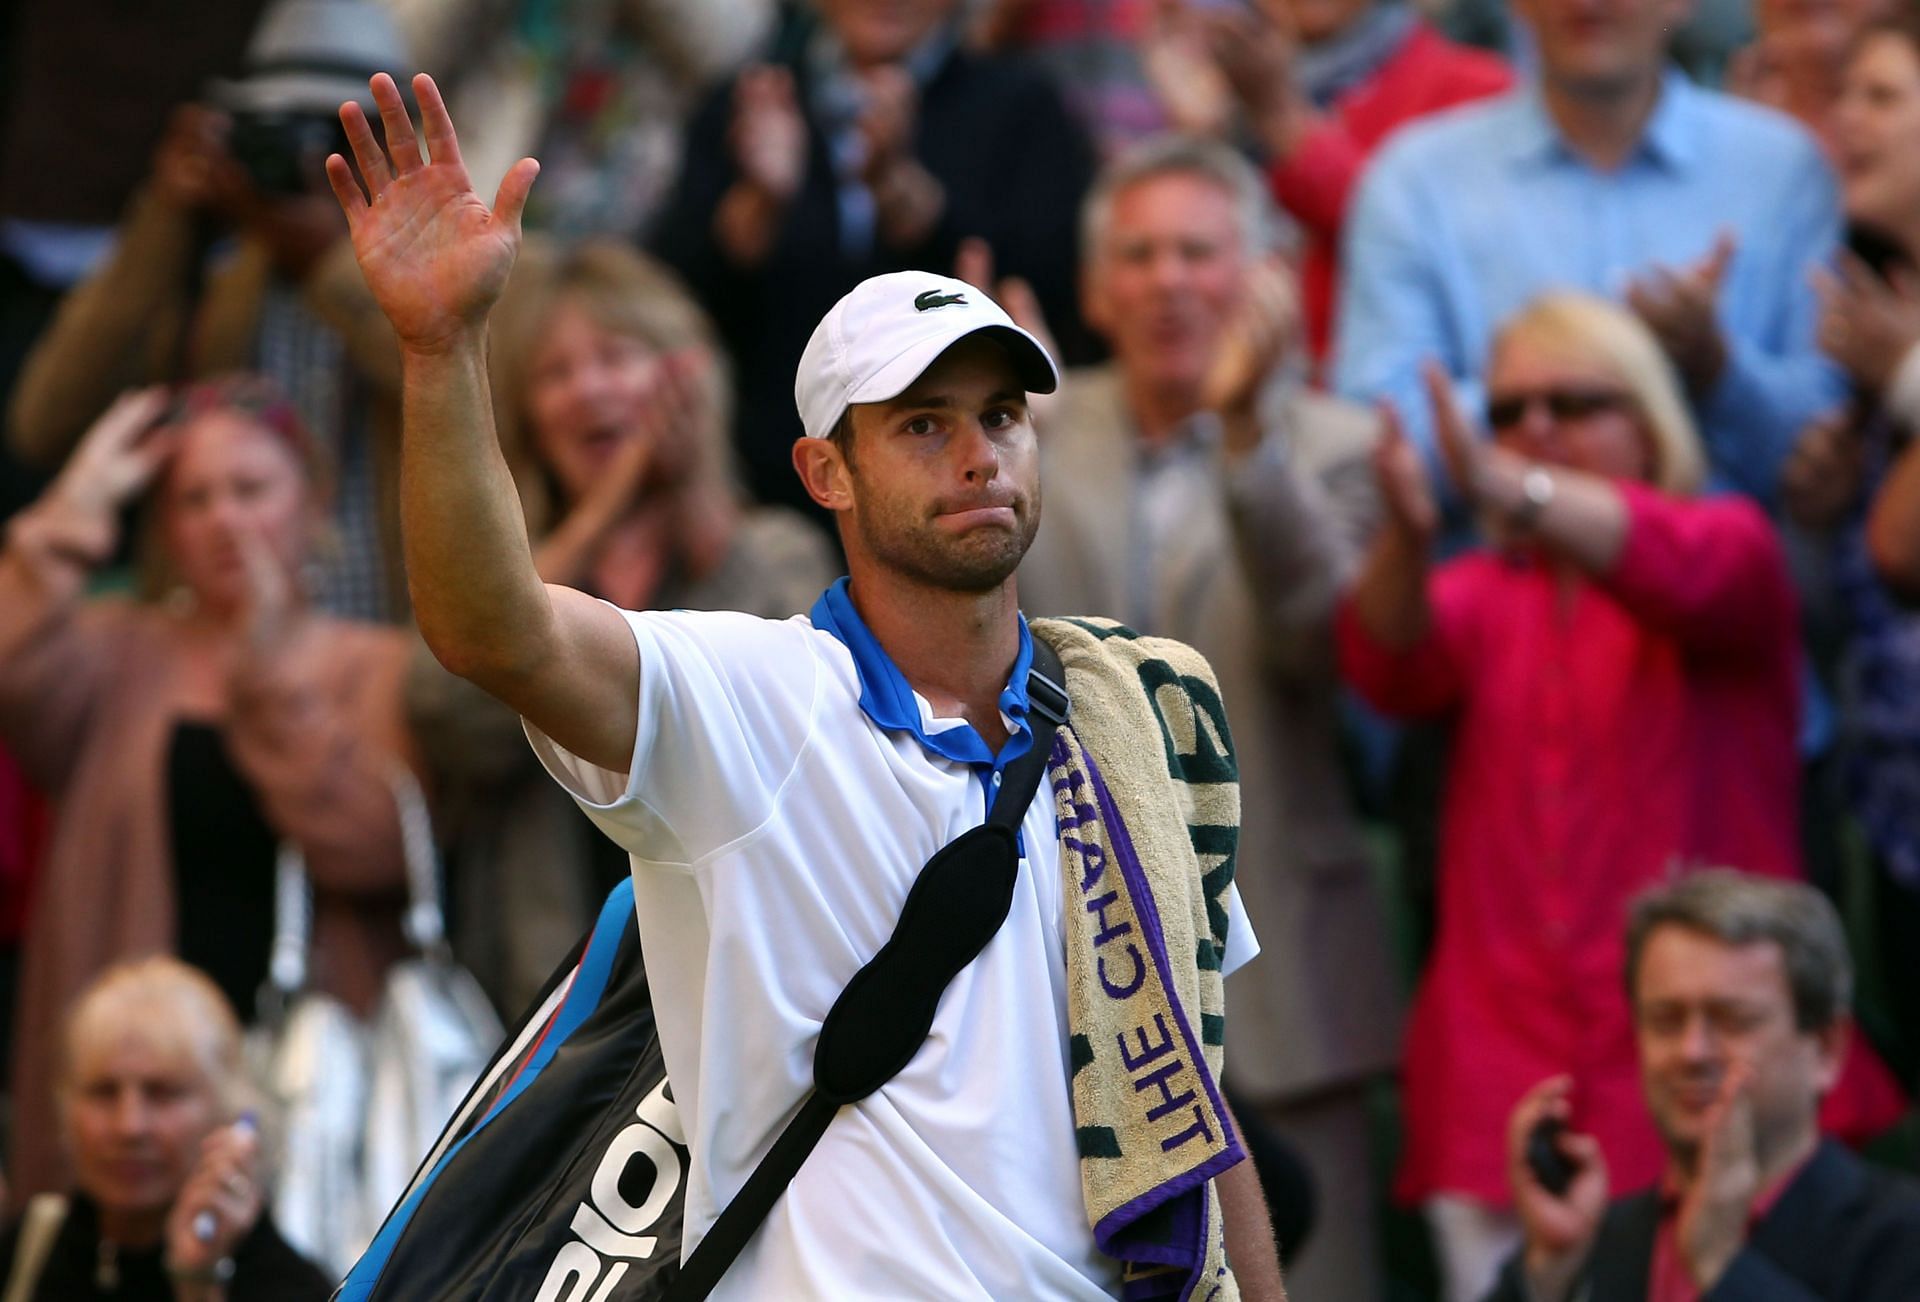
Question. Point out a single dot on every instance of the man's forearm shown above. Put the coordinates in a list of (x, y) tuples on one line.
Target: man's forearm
[(479, 601), (1249, 1233)]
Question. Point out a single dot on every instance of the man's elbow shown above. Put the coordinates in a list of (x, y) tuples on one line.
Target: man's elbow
[(494, 662)]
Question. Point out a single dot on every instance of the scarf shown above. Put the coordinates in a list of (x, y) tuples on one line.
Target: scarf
[(1147, 840), (1341, 62)]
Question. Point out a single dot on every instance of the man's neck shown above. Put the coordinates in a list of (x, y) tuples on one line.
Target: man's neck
[(135, 1230), (1603, 125), (955, 648), (1161, 411)]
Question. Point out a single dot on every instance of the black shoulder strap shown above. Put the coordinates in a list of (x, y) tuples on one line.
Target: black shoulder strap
[(881, 1019)]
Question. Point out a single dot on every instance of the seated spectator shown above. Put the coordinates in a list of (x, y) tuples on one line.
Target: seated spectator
[(184, 738), (1853, 487), (1611, 174), (1197, 490), (168, 1198), (880, 148), (612, 401), (1795, 61), (1321, 84), (1740, 989), (179, 299), (1622, 676)]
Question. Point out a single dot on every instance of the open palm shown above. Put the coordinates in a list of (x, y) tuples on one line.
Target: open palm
[(434, 255)]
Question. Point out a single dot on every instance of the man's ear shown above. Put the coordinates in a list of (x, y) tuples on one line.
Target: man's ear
[(823, 471)]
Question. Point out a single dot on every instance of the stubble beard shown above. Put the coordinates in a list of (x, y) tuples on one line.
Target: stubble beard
[(976, 562)]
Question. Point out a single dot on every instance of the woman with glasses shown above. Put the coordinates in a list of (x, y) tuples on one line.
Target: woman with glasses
[(1620, 668)]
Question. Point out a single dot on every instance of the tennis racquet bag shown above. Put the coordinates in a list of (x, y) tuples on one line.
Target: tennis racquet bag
[(562, 1176)]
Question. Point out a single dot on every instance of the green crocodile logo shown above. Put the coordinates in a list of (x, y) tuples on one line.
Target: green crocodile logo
[(935, 298)]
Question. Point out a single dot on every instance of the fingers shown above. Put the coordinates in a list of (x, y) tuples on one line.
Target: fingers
[(345, 188), (510, 201), (402, 147), (435, 123), (1551, 1097), (1714, 269), (973, 263), (1457, 443), (367, 154)]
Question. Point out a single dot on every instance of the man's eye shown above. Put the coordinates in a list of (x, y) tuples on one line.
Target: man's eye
[(920, 425), (999, 418)]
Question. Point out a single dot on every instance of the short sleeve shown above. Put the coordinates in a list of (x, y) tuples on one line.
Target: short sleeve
[(727, 704), (1242, 945)]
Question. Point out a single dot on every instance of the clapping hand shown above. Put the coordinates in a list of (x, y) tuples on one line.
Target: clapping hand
[(1177, 56), (1681, 307), (1251, 347), (1411, 511), (1560, 1228), (218, 1206), (768, 137), (1718, 1203), (1825, 472), (1867, 324), (434, 255)]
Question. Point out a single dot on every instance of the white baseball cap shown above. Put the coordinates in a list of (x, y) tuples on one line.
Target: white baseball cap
[(874, 343)]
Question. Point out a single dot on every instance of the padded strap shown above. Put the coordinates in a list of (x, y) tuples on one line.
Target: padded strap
[(881, 1019)]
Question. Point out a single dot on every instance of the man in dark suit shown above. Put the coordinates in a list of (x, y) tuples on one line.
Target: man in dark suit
[(1740, 987), (872, 142)]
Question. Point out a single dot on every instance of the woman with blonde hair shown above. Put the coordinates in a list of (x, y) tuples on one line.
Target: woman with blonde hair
[(612, 399), (184, 739), (159, 1118), (1621, 674)]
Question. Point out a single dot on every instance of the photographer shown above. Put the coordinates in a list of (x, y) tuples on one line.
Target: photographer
[(232, 257)]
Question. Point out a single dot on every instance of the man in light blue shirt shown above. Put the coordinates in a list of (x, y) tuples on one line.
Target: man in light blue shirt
[(1613, 174)]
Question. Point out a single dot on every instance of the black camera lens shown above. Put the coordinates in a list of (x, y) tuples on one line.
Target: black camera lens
[(283, 153)]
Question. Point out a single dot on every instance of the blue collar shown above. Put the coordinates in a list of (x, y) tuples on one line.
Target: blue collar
[(1670, 139), (889, 701)]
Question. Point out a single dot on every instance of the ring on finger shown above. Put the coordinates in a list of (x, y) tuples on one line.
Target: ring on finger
[(237, 1185)]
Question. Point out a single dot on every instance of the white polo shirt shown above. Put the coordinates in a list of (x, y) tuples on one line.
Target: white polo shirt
[(786, 788)]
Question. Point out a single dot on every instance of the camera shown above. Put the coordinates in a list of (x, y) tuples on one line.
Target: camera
[(284, 151)]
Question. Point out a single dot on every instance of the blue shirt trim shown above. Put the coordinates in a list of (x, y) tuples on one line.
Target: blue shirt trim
[(888, 699)]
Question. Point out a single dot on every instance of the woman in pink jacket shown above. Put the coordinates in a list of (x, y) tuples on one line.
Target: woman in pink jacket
[(1621, 671)]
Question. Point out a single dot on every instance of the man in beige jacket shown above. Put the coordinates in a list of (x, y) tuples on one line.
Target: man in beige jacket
[(1198, 491)]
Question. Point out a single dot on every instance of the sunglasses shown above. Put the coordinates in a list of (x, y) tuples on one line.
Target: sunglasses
[(1506, 410)]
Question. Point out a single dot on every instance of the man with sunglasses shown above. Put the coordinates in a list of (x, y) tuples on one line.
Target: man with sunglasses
[(780, 784)]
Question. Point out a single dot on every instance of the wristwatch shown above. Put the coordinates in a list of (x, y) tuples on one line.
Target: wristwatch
[(1536, 490)]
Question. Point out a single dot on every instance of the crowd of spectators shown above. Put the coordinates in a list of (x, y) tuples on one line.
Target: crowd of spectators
[(1527, 397)]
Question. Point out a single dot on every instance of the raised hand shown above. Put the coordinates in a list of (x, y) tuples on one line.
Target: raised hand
[(1681, 307), (1177, 58), (1404, 489), (1559, 1228), (1825, 472), (220, 1202), (1867, 324), (1718, 1203), (768, 136), (434, 255), (117, 457), (1255, 340)]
